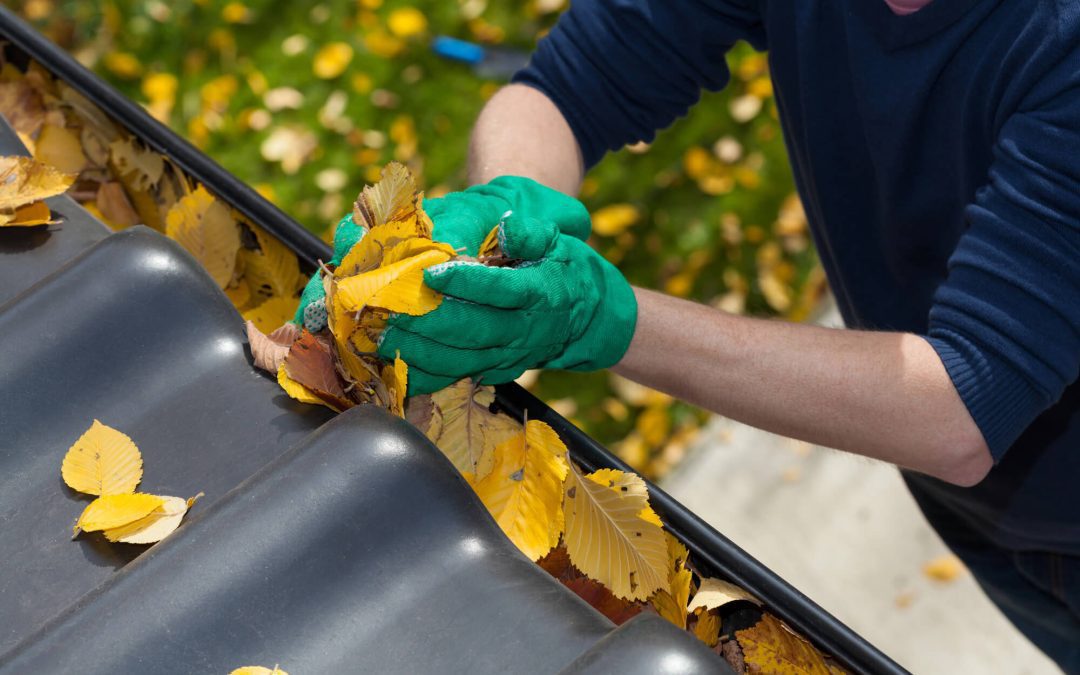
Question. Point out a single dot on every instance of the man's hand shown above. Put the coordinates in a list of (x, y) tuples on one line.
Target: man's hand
[(461, 219), (563, 306)]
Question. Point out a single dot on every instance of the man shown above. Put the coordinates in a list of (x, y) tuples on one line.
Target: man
[(936, 147)]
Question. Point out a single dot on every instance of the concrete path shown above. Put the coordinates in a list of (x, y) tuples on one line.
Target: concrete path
[(845, 531)]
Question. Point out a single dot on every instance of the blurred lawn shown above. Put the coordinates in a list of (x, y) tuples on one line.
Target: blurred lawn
[(308, 101)]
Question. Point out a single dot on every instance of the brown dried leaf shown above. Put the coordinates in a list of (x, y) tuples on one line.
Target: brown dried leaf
[(617, 610), (270, 350), (115, 206), (420, 412), (310, 363), (20, 102)]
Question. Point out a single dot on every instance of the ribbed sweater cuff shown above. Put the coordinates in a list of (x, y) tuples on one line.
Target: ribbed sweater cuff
[(1002, 402)]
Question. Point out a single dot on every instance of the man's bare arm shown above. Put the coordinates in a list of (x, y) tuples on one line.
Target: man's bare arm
[(882, 395), (521, 133)]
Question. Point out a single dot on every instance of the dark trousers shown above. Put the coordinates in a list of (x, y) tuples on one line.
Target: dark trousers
[(1039, 591)]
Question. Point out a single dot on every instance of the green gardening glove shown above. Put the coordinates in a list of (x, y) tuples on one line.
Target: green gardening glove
[(564, 306), (461, 219)]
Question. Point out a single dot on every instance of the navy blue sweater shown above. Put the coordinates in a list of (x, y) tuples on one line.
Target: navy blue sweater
[(938, 159)]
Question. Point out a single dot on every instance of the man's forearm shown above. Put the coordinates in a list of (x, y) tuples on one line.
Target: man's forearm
[(883, 395), (521, 133)]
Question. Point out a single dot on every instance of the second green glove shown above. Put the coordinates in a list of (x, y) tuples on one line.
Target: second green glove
[(564, 306)]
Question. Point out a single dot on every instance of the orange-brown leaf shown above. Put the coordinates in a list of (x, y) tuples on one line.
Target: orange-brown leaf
[(771, 647)]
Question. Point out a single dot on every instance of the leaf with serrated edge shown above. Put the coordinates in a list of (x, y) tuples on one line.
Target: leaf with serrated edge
[(103, 461), (116, 510), (299, 392), (707, 628), (770, 647), (273, 270), (523, 490), (269, 351), (24, 180), (155, 526), (396, 377), (470, 431), (271, 314), (714, 593), (671, 603), (606, 538), (397, 287), (204, 226), (388, 199)]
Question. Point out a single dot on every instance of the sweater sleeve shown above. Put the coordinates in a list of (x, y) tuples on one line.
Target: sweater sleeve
[(619, 70), (1006, 321)]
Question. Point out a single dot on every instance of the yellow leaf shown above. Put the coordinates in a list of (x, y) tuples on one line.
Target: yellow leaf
[(944, 569), (160, 87), (614, 219), (61, 148), (364, 256), (24, 180), (714, 593), (395, 194), (671, 604), (141, 167), (102, 461), (298, 391), (273, 270), (205, 227), (523, 490), (414, 246), (123, 64), (491, 246), (677, 553), (707, 628), (116, 510), (269, 315), (606, 538), (770, 647), (407, 22), (30, 215), (258, 670), (239, 295), (469, 431), (154, 526), (649, 516), (396, 378), (332, 60), (654, 424), (397, 287)]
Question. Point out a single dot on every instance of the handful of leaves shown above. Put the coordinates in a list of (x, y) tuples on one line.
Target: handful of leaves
[(382, 273)]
